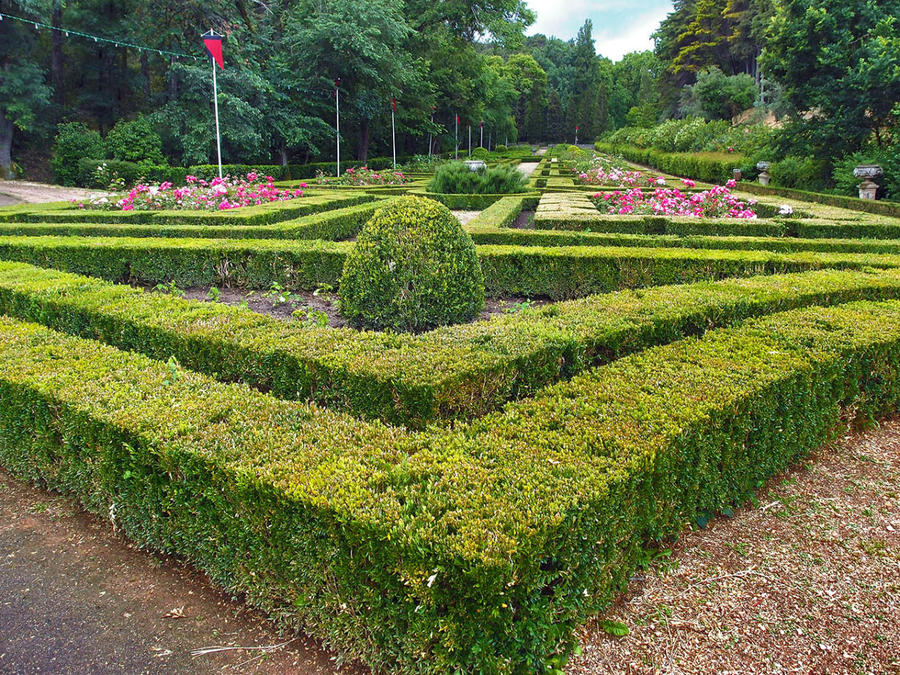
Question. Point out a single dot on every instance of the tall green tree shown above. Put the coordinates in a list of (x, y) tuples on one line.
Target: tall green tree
[(839, 66), (24, 91)]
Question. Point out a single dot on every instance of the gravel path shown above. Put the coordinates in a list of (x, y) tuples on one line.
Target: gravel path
[(808, 582), (527, 167), (18, 191)]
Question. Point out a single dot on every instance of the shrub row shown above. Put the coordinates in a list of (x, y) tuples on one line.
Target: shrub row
[(880, 208), (517, 237), (502, 213), (710, 167), (467, 202), (478, 550), (132, 172), (559, 272), (332, 225), (264, 214), (460, 371)]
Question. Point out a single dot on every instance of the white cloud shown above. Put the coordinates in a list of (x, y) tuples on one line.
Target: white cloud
[(620, 26)]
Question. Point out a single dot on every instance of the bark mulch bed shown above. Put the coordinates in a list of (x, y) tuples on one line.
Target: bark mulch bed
[(807, 582)]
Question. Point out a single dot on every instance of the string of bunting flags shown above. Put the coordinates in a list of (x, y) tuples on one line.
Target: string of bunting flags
[(98, 38)]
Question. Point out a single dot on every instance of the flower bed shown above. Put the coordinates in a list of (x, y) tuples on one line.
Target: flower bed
[(364, 176), (219, 194), (606, 171), (717, 202)]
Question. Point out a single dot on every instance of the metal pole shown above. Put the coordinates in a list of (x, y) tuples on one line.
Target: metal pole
[(456, 138), (337, 126), (470, 140), (481, 138), (394, 138), (429, 133), (216, 106)]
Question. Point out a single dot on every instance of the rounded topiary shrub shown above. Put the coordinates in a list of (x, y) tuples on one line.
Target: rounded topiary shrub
[(413, 268)]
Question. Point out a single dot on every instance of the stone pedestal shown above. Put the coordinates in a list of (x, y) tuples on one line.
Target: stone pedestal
[(868, 190), (764, 177)]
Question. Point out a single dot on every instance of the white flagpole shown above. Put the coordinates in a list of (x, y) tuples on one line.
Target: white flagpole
[(481, 137), (470, 140), (429, 133), (393, 136), (456, 138), (216, 106), (337, 126)]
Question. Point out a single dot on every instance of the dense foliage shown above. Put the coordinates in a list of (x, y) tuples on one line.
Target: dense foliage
[(457, 178), (413, 268)]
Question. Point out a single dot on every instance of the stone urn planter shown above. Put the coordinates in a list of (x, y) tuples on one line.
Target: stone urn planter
[(737, 174), (868, 189), (764, 176), (475, 164)]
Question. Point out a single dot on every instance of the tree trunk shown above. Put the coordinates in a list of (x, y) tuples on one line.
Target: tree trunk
[(145, 73), (57, 76), (363, 141), (6, 138)]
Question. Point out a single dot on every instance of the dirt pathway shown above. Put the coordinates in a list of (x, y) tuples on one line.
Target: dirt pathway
[(77, 598), (18, 191)]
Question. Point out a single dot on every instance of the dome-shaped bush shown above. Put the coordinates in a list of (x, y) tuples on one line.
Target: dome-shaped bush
[(413, 268)]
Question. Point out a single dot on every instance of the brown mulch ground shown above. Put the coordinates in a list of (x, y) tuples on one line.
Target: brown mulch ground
[(306, 306), (808, 582)]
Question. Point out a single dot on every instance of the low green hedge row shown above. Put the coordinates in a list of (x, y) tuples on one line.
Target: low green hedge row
[(132, 172), (559, 272), (477, 550), (881, 208), (807, 228), (650, 224), (709, 167), (504, 236), (264, 214), (454, 372), (503, 212), (697, 166), (331, 225), (467, 202)]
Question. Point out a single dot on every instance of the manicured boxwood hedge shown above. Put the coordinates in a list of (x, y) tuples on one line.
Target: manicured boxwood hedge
[(649, 224), (707, 167), (265, 214), (475, 550), (559, 272), (454, 372), (331, 225), (842, 201), (482, 234), (467, 202)]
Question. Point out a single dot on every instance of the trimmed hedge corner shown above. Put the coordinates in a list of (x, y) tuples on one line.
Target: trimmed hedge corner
[(478, 550)]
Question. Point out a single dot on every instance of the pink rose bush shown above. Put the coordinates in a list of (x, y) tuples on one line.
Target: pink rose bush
[(717, 202), (365, 176), (616, 177), (219, 194)]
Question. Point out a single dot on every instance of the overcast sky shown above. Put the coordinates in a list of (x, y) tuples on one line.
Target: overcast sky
[(620, 26)]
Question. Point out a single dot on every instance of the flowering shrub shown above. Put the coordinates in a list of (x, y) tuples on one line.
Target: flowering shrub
[(603, 170), (618, 178), (364, 176), (199, 195), (717, 202)]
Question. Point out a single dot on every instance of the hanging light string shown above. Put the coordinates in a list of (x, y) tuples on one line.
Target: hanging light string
[(97, 38)]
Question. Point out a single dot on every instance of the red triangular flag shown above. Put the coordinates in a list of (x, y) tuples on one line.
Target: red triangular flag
[(213, 44)]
